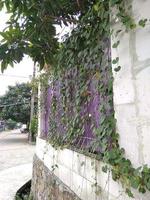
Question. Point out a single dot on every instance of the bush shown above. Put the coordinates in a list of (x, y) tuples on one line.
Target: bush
[(11, 124), (34, 127)]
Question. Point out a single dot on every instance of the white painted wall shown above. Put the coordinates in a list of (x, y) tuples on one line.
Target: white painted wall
[(132, 111), (41, 108), (82, 174), (132, 88)]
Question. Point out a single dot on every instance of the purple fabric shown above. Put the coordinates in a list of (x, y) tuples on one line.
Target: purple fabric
[(89, 111), (48, 99), (60, 127)]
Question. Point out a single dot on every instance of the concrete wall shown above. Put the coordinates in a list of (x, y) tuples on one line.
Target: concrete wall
[(82, 174), (79, 173), (132, 88)]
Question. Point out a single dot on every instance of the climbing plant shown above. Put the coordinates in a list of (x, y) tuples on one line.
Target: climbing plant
[(80, 94), (83, 74)]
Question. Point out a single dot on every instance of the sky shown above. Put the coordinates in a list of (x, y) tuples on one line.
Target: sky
[(21, 72)]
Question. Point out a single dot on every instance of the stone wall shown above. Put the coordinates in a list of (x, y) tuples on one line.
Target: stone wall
[(46, 186)]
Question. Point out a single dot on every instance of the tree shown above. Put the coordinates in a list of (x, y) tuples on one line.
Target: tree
[(15, 104), (31, 28)]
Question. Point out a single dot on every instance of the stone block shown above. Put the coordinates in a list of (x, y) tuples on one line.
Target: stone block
[(49, 162), (64, 174), (145, 148), (123, 91), (65, 158), (127, 128), (79, 164), (140, 9), (91, 169), (123, 52), (143, 43), (40, 145), (143, 92), (79, 185)]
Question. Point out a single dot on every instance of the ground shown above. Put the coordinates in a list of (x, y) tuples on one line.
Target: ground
[(15, 162)]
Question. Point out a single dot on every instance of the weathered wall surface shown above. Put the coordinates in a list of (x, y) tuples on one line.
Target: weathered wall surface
[(132, 88), (82, 174), (46, 186)]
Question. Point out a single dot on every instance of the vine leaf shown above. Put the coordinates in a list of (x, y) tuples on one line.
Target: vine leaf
[(117, 69), (115, 61), (135, 182), (142, 22), (105, 169), (129, 193), (115, 45), (142, 189)]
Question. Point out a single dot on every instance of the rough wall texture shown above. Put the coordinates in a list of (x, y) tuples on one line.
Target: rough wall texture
[(132, 111), (132, 88), (45, 185), (81, 173)]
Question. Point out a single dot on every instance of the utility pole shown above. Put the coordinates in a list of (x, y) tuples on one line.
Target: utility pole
[(32, 103)]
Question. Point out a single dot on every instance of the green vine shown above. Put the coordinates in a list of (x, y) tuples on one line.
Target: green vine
[(86, 54), (85, 47)]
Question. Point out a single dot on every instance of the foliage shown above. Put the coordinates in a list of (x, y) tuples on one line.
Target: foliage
[(34, 127), (15, 104), (31, 28), (74, 63), (81, 60)]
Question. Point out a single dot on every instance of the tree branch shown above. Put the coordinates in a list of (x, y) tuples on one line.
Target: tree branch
[(62, 19)]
